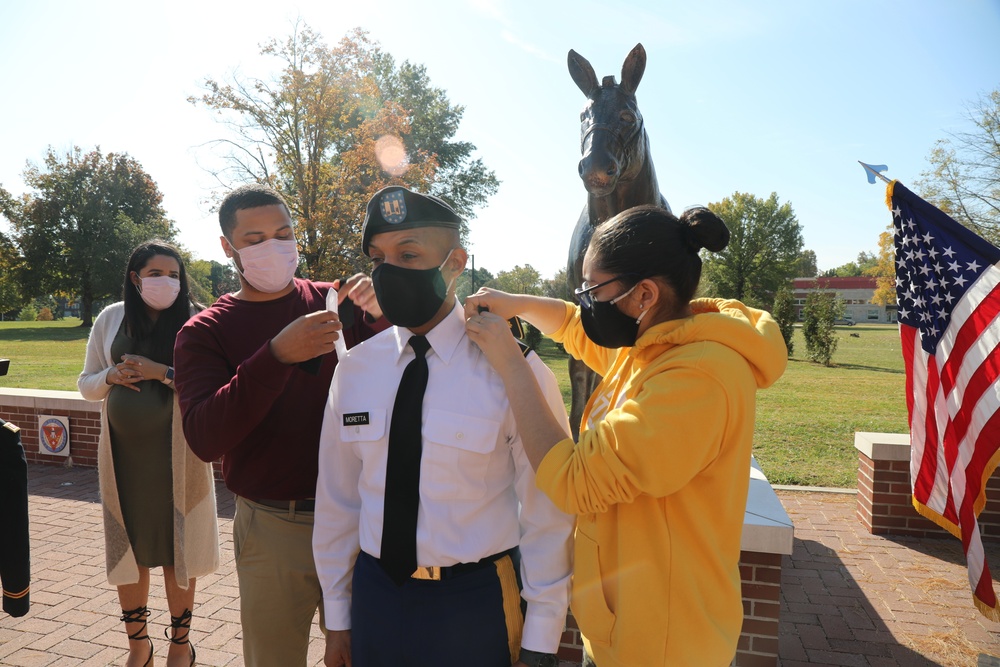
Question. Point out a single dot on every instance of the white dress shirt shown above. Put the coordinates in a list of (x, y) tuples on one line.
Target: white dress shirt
[(477, 489)]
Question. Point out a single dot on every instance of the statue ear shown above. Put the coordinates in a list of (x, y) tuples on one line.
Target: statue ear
[(635, 65), (582, 72)]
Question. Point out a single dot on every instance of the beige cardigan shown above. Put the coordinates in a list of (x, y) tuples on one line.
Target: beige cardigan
[(196, 526)]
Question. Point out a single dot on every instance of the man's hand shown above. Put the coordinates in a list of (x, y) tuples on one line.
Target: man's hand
[(307, 337), (359, 288), (338, 648)]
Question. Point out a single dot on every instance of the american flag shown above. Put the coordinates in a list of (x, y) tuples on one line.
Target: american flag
[(948, 297)]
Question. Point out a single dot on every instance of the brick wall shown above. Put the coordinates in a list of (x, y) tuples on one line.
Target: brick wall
[(23, 407), (761, 576), (885, 504)]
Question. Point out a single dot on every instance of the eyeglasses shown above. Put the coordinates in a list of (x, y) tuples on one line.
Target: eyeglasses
[(583, 294)]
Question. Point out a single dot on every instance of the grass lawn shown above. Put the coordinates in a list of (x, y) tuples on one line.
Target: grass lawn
[(805, 422), (43, 355)]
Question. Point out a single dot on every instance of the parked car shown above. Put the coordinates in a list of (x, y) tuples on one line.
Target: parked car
[(844, 321)]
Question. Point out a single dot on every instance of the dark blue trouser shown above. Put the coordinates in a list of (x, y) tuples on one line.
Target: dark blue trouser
[(472, 619)]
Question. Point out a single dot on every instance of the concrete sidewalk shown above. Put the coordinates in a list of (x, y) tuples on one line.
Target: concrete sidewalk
[(847, 597)]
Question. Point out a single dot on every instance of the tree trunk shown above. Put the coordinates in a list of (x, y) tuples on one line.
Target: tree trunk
[(87, 307)]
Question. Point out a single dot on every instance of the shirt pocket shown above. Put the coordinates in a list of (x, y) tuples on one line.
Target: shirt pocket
[(362, 426), (456, 455), (368, 443)]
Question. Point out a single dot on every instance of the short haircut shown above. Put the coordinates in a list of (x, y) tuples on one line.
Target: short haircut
[(251, 195)]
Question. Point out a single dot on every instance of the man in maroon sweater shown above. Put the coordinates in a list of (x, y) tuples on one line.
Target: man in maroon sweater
[(252, 376)]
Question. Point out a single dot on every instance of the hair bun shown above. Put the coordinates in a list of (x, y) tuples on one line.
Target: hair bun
[(704, 229)]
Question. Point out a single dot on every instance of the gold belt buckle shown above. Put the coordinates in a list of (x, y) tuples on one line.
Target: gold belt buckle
[(432, 573)]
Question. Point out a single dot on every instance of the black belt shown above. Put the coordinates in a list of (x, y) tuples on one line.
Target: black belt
[(307, 505), (437, 573)]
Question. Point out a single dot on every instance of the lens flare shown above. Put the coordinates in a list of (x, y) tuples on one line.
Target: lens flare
[(391, 155)]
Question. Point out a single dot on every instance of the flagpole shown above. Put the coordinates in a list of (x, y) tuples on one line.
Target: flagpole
[(873, 172)]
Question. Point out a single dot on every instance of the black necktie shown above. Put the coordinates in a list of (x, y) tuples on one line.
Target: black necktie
[(402, 469)]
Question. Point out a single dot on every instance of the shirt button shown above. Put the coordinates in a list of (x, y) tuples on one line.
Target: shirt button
[(357, 429), (459, 435)]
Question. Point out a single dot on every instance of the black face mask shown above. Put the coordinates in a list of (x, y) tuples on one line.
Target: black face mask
[(409, 298), (607, 326)]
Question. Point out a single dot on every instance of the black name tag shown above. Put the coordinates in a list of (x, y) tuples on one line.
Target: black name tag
[(355, 419)]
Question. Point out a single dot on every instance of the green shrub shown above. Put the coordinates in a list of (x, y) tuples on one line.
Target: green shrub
[(28, 314), (821, 309), (785, 316)]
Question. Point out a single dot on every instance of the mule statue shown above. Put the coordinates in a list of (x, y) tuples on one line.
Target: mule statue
[(617, 171)]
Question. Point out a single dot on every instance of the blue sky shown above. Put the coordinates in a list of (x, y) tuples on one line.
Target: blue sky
[(759, 97)]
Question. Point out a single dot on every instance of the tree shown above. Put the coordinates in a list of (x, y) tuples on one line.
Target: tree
[(224, 279), (805, 266), (557, 287), (820, 312), (10, 265), (519, 280), (469, 282), (334, 126), (964, 178), (865, 262), (785, 315), (77, 229), (884, 271), (764, 246)]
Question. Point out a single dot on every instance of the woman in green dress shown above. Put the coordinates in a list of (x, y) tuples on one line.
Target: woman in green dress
[(159, 499)]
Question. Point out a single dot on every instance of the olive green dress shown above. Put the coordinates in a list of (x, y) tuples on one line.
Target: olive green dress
[(141, 450)]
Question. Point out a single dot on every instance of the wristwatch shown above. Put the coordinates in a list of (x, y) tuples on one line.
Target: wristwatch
[(536, 659), (168, 377)]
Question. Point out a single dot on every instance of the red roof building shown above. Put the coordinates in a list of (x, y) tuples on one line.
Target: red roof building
[(856, 292)]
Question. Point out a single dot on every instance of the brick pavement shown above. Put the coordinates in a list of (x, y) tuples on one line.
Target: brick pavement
[(847, 597), (856, 599)]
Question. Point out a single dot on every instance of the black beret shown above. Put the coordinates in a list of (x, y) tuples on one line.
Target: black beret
[(394, 208)]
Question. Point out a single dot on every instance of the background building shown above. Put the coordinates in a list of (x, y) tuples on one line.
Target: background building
[(855, 292)]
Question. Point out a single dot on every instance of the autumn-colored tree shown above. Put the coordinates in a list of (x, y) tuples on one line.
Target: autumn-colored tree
[(334, 126), (884, 271), (79, 226)]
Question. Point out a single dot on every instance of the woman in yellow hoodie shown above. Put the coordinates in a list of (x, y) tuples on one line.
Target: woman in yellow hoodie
[(659, 477)]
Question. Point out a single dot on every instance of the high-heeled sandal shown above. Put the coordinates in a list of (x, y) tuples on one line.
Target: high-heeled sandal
[(139, 615), (177, 623)]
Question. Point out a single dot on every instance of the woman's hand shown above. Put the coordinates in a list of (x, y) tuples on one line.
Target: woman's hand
[(127, 372), (499, 303), (134, 368), (492, 334)]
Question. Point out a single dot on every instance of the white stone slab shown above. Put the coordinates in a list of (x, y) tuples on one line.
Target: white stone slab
[(883, 446), (766, 525)]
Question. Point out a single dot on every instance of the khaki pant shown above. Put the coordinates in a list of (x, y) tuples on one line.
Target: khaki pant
[(279, 589)]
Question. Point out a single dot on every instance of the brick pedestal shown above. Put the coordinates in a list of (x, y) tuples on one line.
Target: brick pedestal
[(885, 503)]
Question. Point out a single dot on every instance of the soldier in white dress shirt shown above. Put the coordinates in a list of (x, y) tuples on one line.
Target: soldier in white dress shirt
[(492, 554)]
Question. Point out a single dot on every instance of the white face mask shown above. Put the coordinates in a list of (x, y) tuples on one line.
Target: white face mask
[(269, 266), (159, 292)]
